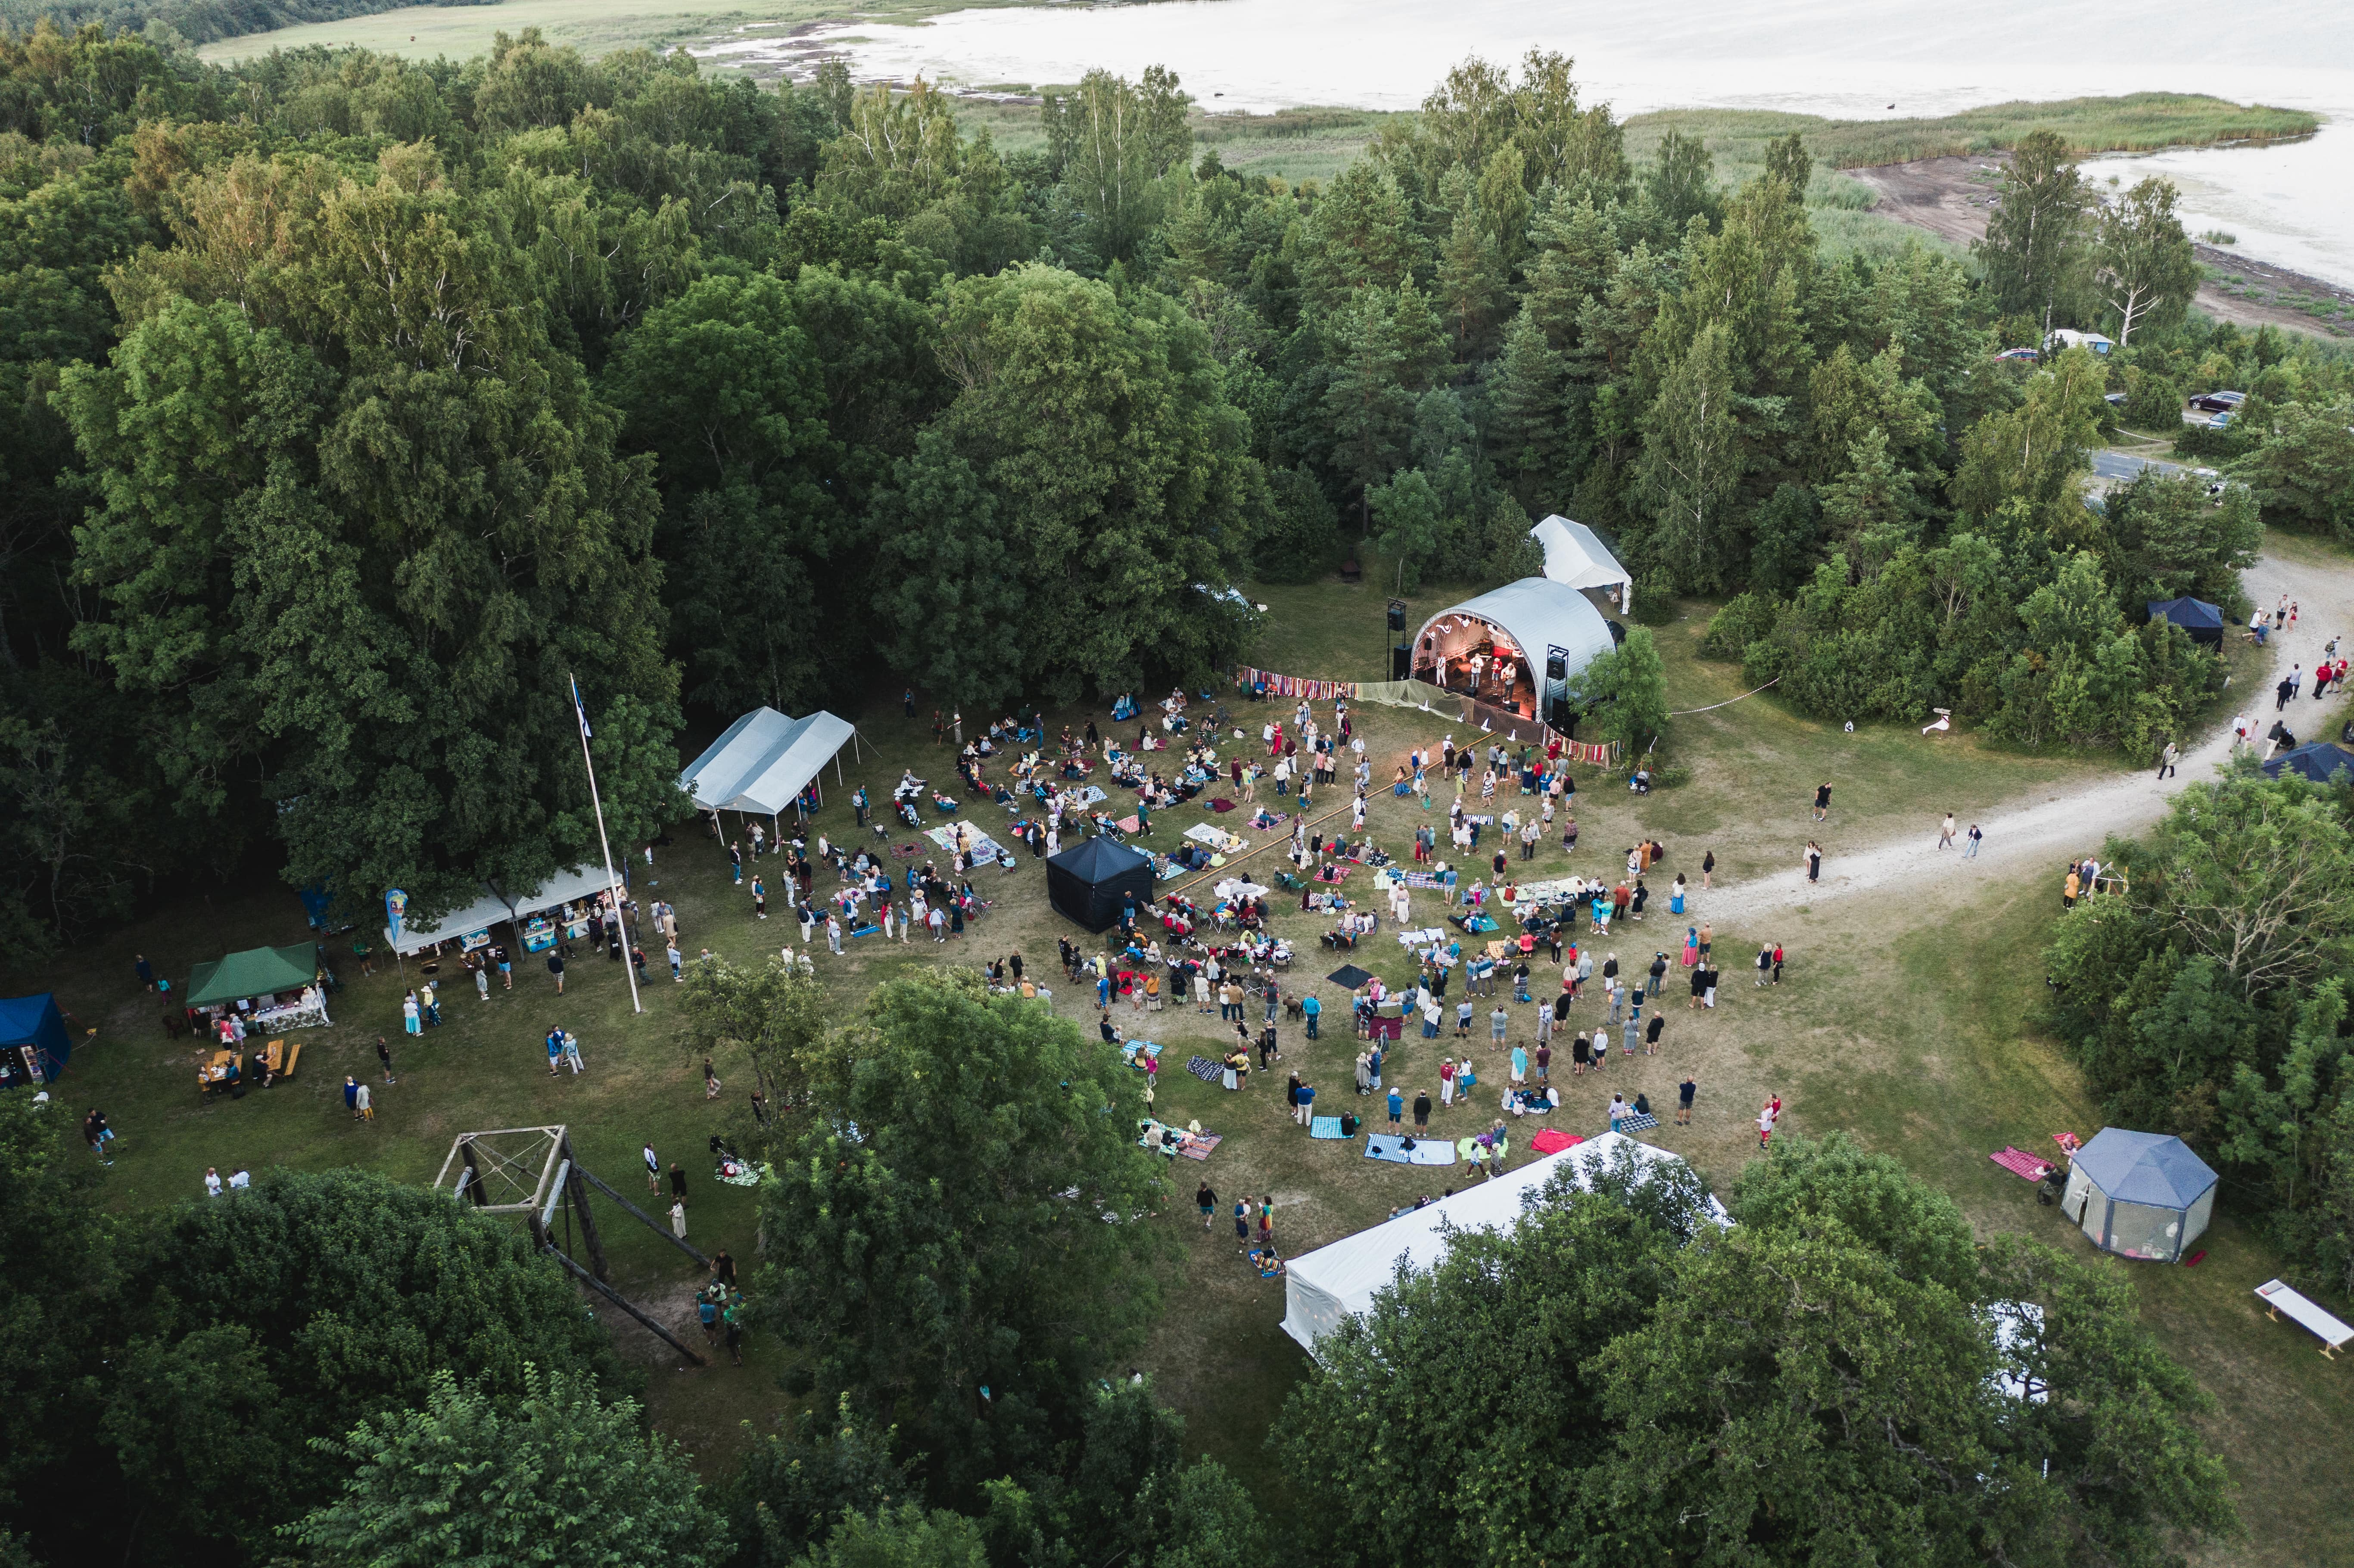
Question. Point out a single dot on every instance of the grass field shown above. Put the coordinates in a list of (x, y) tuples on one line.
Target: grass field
[(1901, 1021)]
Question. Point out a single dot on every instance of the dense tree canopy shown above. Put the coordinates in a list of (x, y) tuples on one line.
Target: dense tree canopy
[(953, 1234), (545, 1474), (350, 403), (240, 1330), (1817, 1381)]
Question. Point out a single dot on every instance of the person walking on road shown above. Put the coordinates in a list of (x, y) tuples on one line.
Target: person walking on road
[(2167, 759), (1946, 833), (1970, 843), (1813, 861)]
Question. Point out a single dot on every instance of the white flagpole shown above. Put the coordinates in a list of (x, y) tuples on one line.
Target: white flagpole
[(612, 879)]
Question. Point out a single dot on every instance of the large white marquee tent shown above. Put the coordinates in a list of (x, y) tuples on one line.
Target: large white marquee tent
[(1337, 1282), (765, 760), (1576, 555)]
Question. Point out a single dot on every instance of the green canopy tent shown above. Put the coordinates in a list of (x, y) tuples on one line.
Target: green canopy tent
[(258, 972)]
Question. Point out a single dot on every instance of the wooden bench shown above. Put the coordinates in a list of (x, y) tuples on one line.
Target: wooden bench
[(2281, 1300)]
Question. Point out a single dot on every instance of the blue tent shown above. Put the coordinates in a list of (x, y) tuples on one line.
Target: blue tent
[(2202, 620), (2315, 759), (34, 1048), (1094, 879)]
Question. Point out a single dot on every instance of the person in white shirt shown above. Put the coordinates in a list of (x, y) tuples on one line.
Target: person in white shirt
[(240, 1177), (212, 1183)]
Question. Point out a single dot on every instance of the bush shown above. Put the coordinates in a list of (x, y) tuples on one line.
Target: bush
[(1746, 618)]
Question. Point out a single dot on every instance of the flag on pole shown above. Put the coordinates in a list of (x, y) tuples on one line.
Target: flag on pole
[(578, 711)]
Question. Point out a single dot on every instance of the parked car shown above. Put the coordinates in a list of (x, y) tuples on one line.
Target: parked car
[(2220, 422), (2218, 402), (2114, 400), (2027, 353)]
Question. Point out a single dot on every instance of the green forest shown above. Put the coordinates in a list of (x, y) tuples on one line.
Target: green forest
[(354, 403)]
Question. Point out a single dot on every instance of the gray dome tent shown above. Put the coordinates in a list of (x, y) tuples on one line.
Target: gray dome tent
[(1091, 880), (2141, 1195)]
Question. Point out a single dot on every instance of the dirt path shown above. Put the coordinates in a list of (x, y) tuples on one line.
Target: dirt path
[(1950, 197), (2053, 830)]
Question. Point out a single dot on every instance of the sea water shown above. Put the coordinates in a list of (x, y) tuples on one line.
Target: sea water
[(1850, 58)]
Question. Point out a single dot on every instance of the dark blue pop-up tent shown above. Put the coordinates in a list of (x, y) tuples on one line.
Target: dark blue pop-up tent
[(2315, 759), (1094, 878), (2201, 620), (34, 1048)]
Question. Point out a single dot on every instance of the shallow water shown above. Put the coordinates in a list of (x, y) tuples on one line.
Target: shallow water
[(1848, 57)]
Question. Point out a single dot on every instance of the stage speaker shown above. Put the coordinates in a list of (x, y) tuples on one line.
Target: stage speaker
[(1397, 617), (1401, 662), (1556, 668), (1562, 716)]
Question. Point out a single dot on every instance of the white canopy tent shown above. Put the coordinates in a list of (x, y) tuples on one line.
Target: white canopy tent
[(1576, 556), (415, 937), (765, 760), (1336, 1282), (562, 888)]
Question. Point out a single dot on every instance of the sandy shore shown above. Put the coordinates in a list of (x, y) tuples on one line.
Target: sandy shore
[(1949, 197)]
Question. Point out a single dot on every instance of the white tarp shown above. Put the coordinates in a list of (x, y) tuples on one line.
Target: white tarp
[(1575, 556), (1338, 1281), (809, 744), (714, 778), (488, 910), (562, 888)]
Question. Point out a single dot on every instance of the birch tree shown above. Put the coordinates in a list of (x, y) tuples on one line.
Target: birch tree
[(1691, 461), (2143, 264)]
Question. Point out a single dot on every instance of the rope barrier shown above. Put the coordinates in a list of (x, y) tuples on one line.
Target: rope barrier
[(1684, 712)]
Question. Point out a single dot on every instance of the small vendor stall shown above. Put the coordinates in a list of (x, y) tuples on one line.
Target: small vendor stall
[(470, 927), (264, 987), (34, 1045), (558, 909)]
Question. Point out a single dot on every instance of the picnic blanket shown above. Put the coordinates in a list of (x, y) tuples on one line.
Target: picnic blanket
[(1135, 1050), (1091, 794), (1422, 879), (1325, 1126), (1199, 1147), (945, 836), (1553, 1140), (1202, 1067), (1425, 1151), (1130, 824), (735, 1174), (1638, 1121), (1216, 838), (2021, 1164), (1349, 977), (1423, 937), (1221, 804)]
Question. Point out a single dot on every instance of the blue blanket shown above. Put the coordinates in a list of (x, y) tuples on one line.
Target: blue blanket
[(1202, 1067), (1324, 1127), (1425, 1151)]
